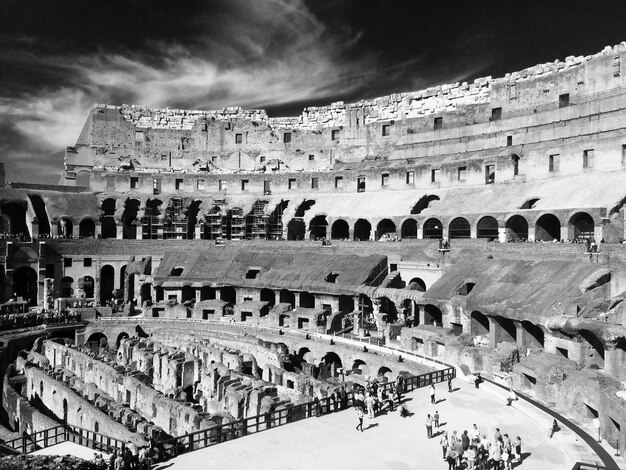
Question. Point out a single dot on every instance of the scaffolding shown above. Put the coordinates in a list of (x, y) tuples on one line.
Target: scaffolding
[(175, 224), (257, 220), (213, 220), (276, 221), (235, 226)]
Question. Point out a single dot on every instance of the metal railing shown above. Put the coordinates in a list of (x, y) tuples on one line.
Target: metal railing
[(59, 434), (214, 435)]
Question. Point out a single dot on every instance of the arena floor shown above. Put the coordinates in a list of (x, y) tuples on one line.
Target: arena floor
[(392, 442)]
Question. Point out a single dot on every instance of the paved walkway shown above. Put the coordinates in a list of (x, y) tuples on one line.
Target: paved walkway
[(70, 448), (389, 441)]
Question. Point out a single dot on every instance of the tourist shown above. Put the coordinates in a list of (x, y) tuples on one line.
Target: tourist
[(119, 462), (465, 441), (554, 427), (495, 455), (432, 394), (470, 457), (482, 456), (518, 449), (343, 397), (450, 384), (475, 435), (429, 426), (436, 419), (497, 437), (369, 403), (511, 397), (444, 444), (451, 458), (404, 411), (359, 414)]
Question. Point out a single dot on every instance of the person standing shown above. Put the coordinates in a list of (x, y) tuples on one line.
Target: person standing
[(429, 426), (359, 414), (436, 419), (450, 384), (518, 449), (432, 394), (369, 403), (444, 444), (344, 397), (465, 441), (554, 427)]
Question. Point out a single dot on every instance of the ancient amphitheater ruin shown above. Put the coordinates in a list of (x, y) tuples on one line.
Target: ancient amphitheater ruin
[(203, 275)]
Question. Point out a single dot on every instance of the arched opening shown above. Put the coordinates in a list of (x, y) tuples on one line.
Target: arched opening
[(362, 230), (120, 337), (548, 228), (340, 230), (66, 286), (465, 288), (459, 228), (207, 293), (318, 226), (129, 219), (385, 228), (307, 300), (296, 229), (346, 303), (432, 315), (487, 227), (581, 226), (96, 341), (42, 215), (433, 228), (515, 161), (594, 352), (87, 229), (15, 220), (228, 294), (146, 293), (417, 284), (423, 203), (107, 282), (65, 227), (359, 366), (107, 221), (533, 336), (87, 284), (389, 309), (188, 293), (505, 330), (25, 284), (332, 363), (384, 374), (409, 229), (276, 221), (303, 207), (268, 295), (516, 229), (287, 297), (479, 325)]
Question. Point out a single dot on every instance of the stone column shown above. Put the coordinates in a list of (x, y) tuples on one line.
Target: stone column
[(119, 231), (502, 234), (96, 283), (420, 233), (531, 233), (473, 231), (75, 230), (520, 334), (139, 232), (564, 233), (197, 232), (98, 230)]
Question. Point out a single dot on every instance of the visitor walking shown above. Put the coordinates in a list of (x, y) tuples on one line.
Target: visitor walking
[(429, 426), (359, 414), (554, 427), (436, 419), (432, 394), (450, 384), (465, 441), (518, 449)]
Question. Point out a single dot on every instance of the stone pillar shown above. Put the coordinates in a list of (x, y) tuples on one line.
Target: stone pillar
[(197, 232), (564, 234), (98, 230), (531, 233), (493, 330), (520, 334), (502, 234), (473, 231), (422, 315), (139, 232), (75, 230), (119, 231), (96, 283), (351, 233), (297, 298), (420, 233), (612, 360)]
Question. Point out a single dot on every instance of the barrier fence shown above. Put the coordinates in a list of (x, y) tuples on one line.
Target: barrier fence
[(59, 434), (225, 432)]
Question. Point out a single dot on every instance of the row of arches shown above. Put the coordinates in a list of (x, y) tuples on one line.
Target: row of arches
[(547, 228)]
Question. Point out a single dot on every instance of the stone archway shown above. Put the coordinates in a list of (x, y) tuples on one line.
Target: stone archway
[(25, 281), (340, 230)]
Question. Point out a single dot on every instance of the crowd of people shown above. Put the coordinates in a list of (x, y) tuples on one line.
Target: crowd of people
[(26, 320), (130, 458), (474, 451)]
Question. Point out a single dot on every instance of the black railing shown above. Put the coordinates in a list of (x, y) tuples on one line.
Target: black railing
[(59, 434), (588, 466), (226, 432)]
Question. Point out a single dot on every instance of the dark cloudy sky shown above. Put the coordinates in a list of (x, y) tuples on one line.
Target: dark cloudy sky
[(59, 57)]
